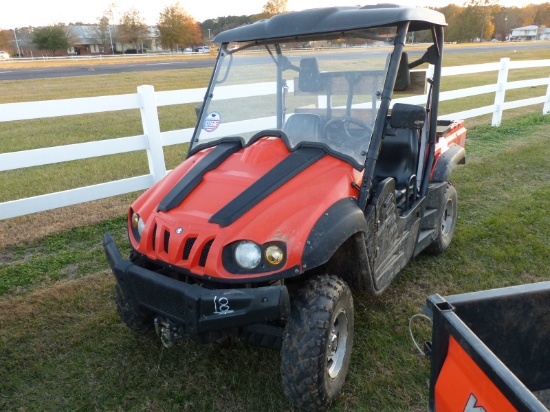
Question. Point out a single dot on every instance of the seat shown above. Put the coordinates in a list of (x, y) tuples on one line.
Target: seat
[(398, 156), (309, 79), (303, 126)]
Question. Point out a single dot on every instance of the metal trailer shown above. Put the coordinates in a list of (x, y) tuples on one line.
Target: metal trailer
[(490, 350)]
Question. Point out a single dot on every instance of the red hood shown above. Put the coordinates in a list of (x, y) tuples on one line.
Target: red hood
[(287, 214)]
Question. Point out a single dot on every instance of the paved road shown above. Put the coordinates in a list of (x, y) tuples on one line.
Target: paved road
[(43, 73), (70, 71)]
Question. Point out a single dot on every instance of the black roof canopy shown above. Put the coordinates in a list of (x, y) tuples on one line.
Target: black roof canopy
[(333, 19)]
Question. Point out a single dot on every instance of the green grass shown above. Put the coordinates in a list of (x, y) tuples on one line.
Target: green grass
[(62, 346)]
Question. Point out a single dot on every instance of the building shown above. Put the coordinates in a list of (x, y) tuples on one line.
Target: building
[(529, 33), (95, 39), (544, 34), (89, 39)]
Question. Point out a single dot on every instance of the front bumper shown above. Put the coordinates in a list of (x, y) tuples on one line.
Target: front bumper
[(198, 310)]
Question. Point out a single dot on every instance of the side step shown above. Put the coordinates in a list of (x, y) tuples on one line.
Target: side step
[(425, 238), (429, 218)]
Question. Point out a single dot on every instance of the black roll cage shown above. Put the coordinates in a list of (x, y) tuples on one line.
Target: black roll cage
[(433, 56)]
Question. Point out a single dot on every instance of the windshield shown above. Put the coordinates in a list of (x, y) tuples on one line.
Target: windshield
[(317, 90)]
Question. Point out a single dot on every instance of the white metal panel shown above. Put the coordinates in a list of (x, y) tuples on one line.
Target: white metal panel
[(72, 197), (78, 151), (171, 97), (468, 92), (469, 69), (67, 107), (467, 114), (520, 84), (176, 136), (522, 103), (528, 64)]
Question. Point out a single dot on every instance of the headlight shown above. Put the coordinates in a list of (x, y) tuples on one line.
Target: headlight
[(138, 223), (248, 254), (274, 255)]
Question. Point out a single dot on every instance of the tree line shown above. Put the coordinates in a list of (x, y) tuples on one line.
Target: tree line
[(486, 19), (175, 28)]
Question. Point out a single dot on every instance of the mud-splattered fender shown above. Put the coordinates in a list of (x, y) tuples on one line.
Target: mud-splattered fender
[(447, 162), (340, 222)]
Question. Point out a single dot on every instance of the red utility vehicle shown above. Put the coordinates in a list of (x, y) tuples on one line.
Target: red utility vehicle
[(302, 180)]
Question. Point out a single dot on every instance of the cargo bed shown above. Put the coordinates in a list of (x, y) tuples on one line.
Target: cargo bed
[(490, 350)]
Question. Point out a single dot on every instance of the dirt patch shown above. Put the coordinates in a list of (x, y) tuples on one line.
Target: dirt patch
[(69, 271), (20, 307), (25, 229)]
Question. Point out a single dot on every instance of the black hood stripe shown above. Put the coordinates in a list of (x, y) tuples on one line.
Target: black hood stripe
[(288, 168), (194, 176)]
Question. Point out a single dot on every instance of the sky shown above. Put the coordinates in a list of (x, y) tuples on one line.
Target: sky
[(23, 13)]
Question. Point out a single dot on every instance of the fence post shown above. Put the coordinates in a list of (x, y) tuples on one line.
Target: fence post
[(546, 108), (151, 129), (501, 90)]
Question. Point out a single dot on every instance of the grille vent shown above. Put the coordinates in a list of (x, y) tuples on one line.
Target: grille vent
[(166, 240), (154, 237), (204, 252), (188, 246), (161, 298)]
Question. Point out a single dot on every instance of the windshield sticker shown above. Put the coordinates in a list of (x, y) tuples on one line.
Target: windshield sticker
[(212, 122)]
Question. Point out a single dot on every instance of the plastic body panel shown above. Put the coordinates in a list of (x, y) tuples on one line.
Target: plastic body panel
[(462, 385), (188, 238), (449, 149)]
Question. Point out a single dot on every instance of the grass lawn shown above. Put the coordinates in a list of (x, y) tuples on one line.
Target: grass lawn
[(62, 346)]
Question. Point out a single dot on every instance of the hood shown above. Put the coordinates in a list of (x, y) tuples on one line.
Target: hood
[(263, 193)]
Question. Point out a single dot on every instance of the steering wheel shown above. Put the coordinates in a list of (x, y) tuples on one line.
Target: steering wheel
[(334, 128)]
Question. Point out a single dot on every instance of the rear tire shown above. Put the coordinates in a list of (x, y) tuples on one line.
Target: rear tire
[(136, 318), (317, 343), (446, 221)]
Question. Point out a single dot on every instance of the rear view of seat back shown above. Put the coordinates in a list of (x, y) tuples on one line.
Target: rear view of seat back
[(303, 126), (398, 157), (399, 151)]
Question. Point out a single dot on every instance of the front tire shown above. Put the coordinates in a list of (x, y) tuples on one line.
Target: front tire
[(317, 343), (446, 221)]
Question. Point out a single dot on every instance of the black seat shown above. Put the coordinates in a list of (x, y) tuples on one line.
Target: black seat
[(303, 126), (398, 156), (309, 79)]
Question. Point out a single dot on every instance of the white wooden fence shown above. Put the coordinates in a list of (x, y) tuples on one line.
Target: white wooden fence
[(153, 140)]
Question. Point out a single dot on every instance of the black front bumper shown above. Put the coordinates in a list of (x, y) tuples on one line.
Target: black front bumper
[(198, 310)]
